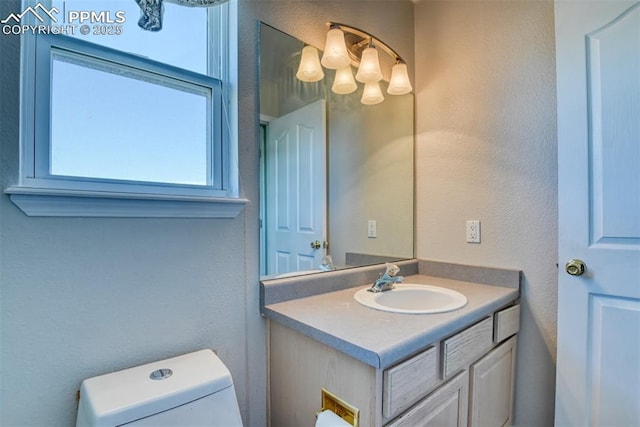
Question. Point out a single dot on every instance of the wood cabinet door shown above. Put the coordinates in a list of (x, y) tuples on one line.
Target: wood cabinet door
[(445, 407), (491, 387)]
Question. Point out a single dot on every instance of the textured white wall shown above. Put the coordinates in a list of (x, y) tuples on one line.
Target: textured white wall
[(486, 150), (82, 297), (86, 296)]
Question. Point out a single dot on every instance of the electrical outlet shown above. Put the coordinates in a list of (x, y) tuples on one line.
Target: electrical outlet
[(473, 231), (372, 231)]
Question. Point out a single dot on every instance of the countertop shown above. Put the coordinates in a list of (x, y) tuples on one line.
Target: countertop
[(379, 338)]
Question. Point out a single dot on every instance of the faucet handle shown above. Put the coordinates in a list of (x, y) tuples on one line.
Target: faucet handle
[(392, 269)]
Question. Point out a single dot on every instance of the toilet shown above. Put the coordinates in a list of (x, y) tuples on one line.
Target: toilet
[(194, 389)]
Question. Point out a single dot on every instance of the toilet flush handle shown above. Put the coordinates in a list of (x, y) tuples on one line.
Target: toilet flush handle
[(161, 374)]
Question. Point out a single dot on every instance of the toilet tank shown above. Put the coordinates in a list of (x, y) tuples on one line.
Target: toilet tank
[(194, 389)]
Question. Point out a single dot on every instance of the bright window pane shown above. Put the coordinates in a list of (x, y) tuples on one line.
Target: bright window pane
[(182, 42), (114, 122)]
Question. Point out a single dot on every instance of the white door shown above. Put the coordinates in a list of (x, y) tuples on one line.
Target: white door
[(598, 78), (296, 190)]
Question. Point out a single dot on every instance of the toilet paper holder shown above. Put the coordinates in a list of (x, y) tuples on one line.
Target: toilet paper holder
[(344, 410)]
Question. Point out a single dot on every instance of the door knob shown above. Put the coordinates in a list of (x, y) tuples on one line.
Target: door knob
[(575, 267), (316, 244)]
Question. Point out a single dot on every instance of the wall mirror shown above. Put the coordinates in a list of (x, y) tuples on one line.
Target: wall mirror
[(337, 176)]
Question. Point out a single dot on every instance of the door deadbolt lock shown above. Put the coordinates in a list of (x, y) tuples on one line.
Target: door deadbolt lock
[(575, 267)]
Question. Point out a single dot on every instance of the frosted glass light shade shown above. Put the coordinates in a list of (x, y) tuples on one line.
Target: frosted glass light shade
[(309, 69), (344, 82), (369, 70), (399, 83), (372, 94), (335, 54)]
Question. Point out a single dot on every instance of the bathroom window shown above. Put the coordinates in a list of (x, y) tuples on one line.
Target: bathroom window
[(119, 121)]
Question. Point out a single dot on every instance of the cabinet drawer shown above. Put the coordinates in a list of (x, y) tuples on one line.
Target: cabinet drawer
[(447, 406), (506, 323), (463, 348), (408, 381)]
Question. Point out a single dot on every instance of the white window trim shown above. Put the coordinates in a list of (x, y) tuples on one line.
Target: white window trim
[(42, 196)]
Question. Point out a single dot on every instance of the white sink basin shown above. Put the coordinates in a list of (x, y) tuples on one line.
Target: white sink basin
[(413, 299)]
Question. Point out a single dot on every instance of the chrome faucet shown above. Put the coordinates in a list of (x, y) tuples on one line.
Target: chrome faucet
[(387, 279)]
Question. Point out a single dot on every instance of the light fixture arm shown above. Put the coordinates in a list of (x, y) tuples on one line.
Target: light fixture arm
[(358, 39)]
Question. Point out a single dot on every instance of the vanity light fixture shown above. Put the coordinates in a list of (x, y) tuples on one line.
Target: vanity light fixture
[(344, 82), (335, 56), (399, 84), (369, 69), (348, 46), (309, 69), (372, 94)]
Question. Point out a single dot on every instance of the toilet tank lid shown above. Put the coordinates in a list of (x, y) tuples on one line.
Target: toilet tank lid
[(131, 394)]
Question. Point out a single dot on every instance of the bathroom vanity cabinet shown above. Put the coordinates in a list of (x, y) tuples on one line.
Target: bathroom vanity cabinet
[(465, 378)]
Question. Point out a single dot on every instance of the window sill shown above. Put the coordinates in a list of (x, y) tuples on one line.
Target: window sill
[(71, 203)]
